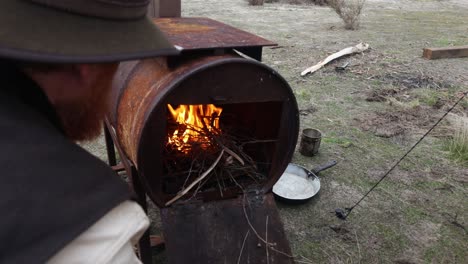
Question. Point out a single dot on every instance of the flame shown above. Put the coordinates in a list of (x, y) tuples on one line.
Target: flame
[(194, 121)]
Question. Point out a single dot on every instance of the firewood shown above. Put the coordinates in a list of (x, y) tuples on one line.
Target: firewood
[(195, 182), (347, 51)]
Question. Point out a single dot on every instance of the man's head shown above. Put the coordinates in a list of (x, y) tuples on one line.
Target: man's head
[(78, 92), (76, 37)]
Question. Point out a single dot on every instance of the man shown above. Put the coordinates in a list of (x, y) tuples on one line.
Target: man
[(58, 203)]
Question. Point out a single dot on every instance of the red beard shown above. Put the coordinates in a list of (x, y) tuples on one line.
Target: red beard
[(82, 118)]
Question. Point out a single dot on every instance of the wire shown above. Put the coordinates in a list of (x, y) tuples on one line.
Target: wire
[(343, 214)]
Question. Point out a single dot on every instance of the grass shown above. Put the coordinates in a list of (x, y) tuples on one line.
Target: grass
[(342, 142), (447, 249), (446, 42), (414, 194), (414, 214), (429, 97)]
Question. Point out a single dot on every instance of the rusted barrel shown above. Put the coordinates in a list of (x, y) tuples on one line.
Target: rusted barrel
[(259, 98)]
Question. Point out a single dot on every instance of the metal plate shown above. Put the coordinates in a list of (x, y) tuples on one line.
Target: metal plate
[(296, 184), (194, 33)]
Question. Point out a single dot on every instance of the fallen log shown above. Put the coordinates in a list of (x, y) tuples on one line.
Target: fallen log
[(347, 51)]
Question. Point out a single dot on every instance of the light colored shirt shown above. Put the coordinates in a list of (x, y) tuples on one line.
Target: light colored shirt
[(109, 240)]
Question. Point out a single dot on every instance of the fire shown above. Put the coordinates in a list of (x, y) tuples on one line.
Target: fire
[(195, 121)]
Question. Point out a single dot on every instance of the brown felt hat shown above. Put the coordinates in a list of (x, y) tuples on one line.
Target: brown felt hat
[(79, 31)]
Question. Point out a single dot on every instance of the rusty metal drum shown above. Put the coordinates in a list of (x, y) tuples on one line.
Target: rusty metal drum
[(256, 100)]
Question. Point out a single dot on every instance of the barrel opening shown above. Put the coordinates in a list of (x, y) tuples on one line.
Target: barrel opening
[(196, 136)]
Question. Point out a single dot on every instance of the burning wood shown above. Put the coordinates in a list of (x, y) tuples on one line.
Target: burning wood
[(202, 154), (194, 120)]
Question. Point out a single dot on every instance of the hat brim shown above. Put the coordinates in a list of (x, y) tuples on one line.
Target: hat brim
[(30, 32)]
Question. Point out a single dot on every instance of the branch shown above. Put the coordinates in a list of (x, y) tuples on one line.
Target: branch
[(232, 153), (242, 249), (347, 51), (194, 183)]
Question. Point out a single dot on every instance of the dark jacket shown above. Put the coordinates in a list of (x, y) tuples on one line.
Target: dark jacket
[(51, 190)]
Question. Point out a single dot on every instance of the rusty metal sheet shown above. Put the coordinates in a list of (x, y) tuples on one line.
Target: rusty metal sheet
[(216, 232), (193, 33)]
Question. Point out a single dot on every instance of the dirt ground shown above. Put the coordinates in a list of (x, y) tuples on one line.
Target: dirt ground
[(370, 115)]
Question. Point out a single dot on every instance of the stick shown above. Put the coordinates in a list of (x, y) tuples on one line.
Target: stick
[(232, 153), (242, 248), (270, 245), (251, 226), (234, 180), (190, 172), (347, 51), (194, 183)]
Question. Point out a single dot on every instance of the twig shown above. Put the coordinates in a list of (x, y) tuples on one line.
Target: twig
[(200, 185), (219, 186), (194, 183), (242, 248), (303, 261), (234, 180), (270, 245), (250, 224), (266, 239), (306, 259), (232, 153), (358, 247), (190, 172)]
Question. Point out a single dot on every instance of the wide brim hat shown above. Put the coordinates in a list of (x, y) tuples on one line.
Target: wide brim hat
[(79, 31)]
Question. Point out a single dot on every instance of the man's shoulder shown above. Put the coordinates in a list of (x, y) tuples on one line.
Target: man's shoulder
[(52, 189), (29, 136)]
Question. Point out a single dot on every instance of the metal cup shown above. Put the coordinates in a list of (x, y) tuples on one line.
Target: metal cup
[(310, 142)]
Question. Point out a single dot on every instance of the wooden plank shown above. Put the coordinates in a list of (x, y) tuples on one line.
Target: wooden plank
[(441, 53)]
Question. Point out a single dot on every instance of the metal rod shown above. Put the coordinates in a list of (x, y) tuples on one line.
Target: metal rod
[(110, 146), (144, 245), (350, 209)]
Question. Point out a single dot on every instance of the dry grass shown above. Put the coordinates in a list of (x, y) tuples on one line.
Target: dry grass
[(458, 145), (256, 2), (349, 11)]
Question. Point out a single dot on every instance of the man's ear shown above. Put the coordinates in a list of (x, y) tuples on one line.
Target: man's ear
[(63, 83)]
